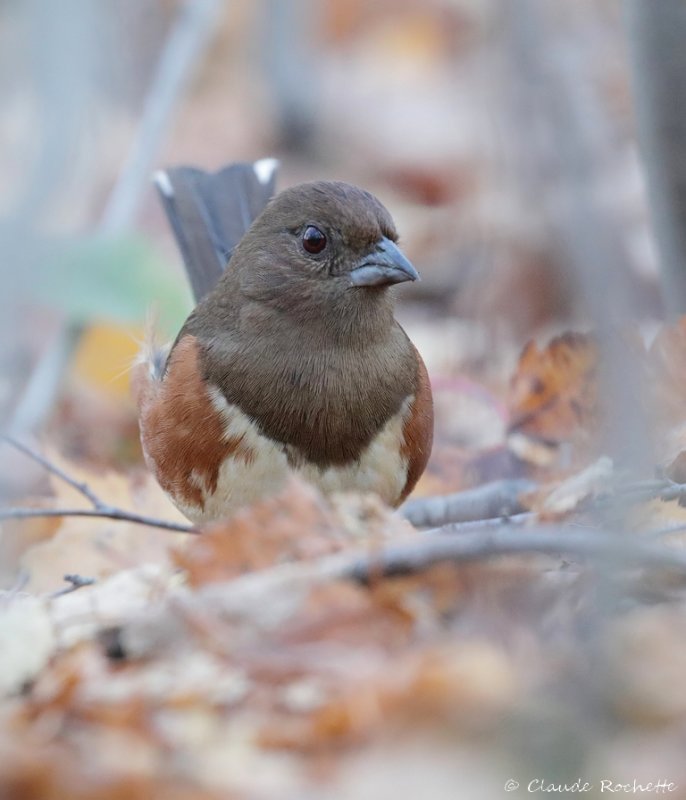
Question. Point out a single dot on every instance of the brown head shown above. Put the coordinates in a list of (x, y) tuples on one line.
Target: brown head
[(320, 249)]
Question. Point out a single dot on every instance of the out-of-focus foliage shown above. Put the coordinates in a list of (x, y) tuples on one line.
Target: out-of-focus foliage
[(119, 280)]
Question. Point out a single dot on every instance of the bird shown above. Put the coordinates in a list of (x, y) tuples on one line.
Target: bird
[(291, 362)]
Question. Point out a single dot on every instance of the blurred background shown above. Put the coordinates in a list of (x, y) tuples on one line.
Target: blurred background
[(495, 131)]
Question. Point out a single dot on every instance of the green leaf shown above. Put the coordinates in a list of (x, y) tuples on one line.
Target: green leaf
[(116, 279)]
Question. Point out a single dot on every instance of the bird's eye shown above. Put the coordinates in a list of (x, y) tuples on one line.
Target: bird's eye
[(314, 241)]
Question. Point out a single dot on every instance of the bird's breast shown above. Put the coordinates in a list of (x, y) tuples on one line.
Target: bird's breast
[(212, 458), (262, 466), (325, 405)]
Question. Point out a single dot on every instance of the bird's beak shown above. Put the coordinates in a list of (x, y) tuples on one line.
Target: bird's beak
[(385, 266)]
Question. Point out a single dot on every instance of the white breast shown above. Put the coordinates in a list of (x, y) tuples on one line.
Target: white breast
[(380, 468)]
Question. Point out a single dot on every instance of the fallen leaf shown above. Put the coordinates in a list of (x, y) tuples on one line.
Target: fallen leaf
[(296, 524), (100, 547), (553, 393), (562, 498)]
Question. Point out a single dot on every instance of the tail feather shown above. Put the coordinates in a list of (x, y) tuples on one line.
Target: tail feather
[(210, 212)]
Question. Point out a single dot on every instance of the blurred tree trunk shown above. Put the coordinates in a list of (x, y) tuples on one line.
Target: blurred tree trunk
[(657, 35)]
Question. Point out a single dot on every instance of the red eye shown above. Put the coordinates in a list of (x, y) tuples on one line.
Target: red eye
[(314, 241)]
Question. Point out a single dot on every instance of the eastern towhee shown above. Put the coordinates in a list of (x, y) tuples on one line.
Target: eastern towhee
[(292, 360)]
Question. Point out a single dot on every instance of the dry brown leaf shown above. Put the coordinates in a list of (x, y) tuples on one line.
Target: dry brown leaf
[(97, 547), (467, 683), (344, 613), (53, 773), (675, 470), (553, 394), (294, 525)]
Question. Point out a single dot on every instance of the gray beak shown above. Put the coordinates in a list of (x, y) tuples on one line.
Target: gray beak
[(385, 266)]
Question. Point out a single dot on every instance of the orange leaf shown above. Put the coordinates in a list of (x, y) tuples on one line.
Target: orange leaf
[(293, 525), (553, 393)]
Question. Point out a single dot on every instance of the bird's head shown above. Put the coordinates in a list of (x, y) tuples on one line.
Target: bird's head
[(321, 239)]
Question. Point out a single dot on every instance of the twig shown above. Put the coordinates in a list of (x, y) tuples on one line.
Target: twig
[(80, 486), (105, 512), (479, 524), (497, 499), (640, 492), (424, 550), (416, 555), (651, 490), (667, 530), (100, 508), (648, 486), (490, 503), (76, 582), (472, 510)]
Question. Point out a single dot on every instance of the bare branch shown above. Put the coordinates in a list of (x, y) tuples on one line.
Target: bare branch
[(486, 505), (416, 555), (672, 491), (76, 582), (100, 509), (419, 552), (512, 522), (104, 512), (641, 491), (497, 499), (80, 486)]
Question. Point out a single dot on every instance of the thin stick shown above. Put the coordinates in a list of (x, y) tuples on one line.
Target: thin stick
[(497, 499), (489, 503), (105, 512), (80, 486), (76, 582), (516, 520), (100, 508), (416, 555)]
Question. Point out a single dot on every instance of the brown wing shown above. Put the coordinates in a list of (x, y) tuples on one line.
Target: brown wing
[(418, 431)]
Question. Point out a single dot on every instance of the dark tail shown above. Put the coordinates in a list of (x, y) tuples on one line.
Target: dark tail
[(210, 212)]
